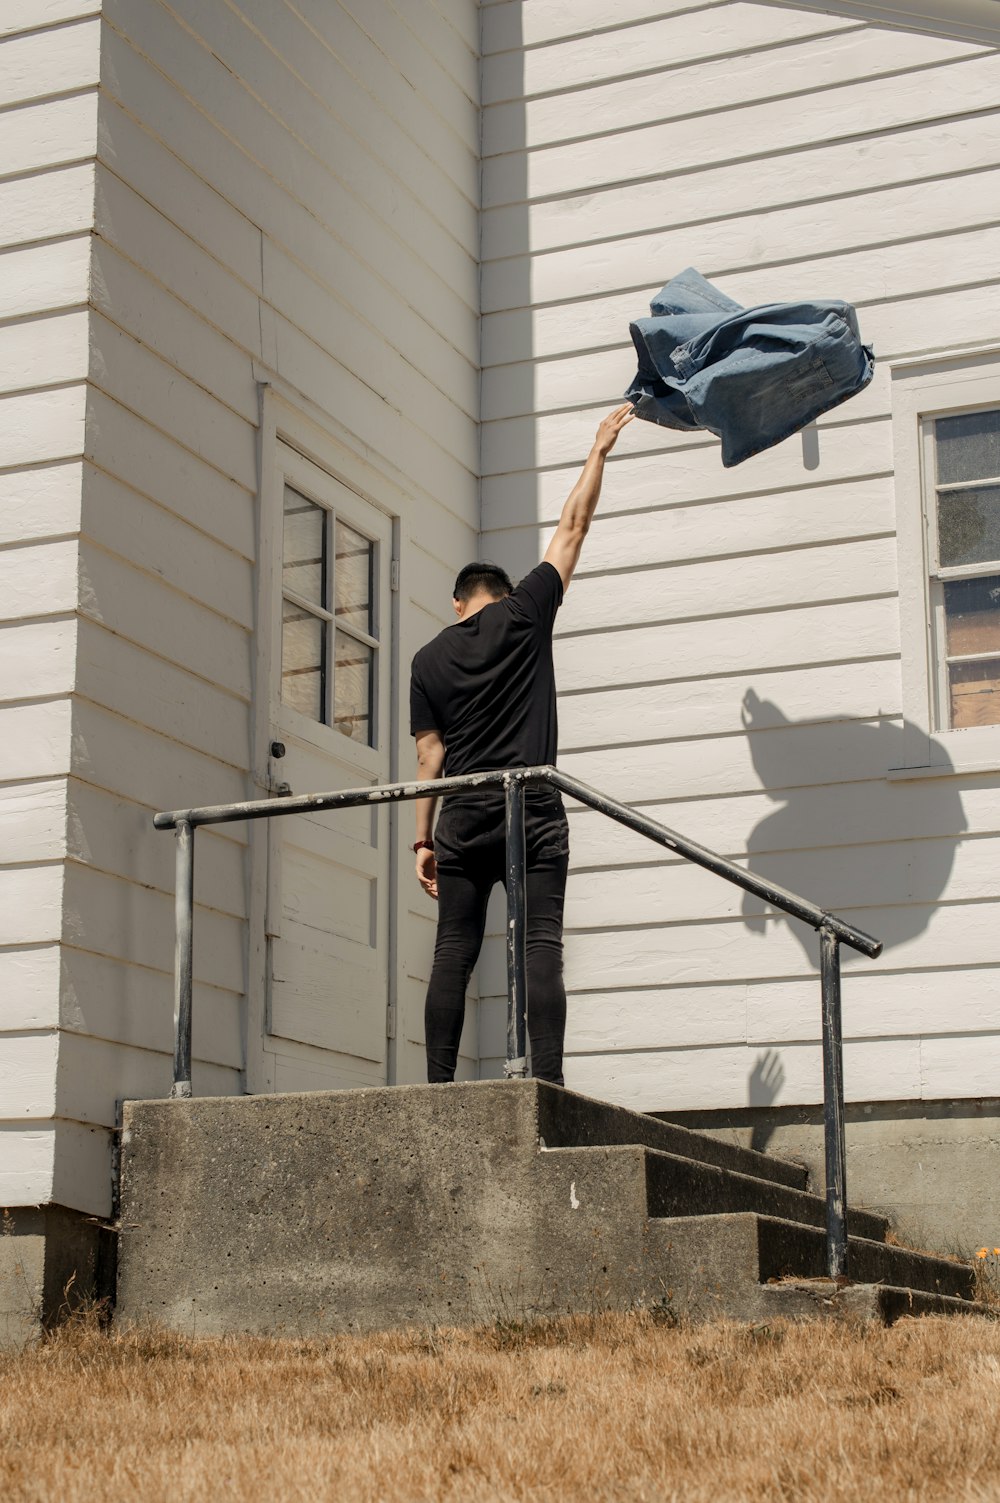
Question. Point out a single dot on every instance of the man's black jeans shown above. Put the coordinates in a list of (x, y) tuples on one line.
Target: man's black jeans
[(470, 850)]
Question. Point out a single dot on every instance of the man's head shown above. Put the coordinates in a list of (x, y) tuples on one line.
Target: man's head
[(480, 582)]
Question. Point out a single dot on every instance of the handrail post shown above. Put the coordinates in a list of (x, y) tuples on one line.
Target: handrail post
[(517, 967), (833, 1106), (183, 959)]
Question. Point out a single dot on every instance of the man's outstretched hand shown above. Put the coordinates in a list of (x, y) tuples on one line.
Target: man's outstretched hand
[(611, 426)]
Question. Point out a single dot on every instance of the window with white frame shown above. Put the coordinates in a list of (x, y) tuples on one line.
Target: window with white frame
[(328, 641), (961, 453), (946, 446)]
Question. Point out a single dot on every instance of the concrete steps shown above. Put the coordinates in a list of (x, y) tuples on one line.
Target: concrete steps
[(678, 1186), (754, 1267), (568, 1120), (449, 1204)]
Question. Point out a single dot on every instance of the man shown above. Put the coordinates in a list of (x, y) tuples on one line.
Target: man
[(482, 697)]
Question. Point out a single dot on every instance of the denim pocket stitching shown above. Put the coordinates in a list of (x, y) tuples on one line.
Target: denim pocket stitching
[(815, 378)]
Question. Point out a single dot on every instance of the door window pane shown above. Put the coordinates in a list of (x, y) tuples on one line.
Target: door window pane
[(968, 446), (352, 687), (975, 693), (969, 526), (304, 550), (353, 578), (303, 661), (328, 567), (972, 616)]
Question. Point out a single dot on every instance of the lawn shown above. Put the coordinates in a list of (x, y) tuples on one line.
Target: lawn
[(612, 1407)]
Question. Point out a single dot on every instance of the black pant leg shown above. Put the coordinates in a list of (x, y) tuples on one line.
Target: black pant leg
[(545, 895), (462, 900), (470, 838)]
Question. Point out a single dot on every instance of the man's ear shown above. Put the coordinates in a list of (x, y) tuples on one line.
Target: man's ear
[(458, 607)]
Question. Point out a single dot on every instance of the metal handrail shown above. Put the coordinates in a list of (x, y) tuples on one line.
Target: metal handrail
[(833, 931)]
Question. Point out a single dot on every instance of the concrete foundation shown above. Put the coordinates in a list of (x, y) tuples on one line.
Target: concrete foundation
[(51, 1260), (932, 1168)]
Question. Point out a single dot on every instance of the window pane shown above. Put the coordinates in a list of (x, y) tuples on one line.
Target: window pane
[(975, 693), (353, 584), (303, 660), (352, 687), (972, 614), (969, 526), (968, 446), (304, 550)]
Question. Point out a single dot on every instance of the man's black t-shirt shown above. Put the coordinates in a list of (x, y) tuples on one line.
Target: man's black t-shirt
[(487, 685)]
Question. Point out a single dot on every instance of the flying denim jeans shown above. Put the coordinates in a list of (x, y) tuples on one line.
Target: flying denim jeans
[(751, 376)]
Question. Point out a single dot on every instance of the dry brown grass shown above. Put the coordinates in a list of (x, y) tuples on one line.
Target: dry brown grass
[(986, 1267), (608, 1408)]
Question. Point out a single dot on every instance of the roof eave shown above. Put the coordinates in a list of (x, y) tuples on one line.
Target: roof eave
[(969, 20)]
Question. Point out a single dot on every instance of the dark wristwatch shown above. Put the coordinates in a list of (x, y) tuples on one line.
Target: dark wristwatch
[(422, 845)]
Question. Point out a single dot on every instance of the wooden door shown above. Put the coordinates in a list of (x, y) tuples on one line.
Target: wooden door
[(328, 874)]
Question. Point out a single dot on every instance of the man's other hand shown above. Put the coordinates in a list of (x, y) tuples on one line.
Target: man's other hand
[(611, 426), (427, 873)]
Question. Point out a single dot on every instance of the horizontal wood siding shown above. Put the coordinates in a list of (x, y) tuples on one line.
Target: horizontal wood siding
[(49, 69), (729, 654), (287, 194)]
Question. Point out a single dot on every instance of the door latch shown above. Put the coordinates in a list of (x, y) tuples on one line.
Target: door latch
[(274, 786)]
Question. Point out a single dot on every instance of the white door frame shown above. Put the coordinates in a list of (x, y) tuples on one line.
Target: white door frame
[(287, 419)]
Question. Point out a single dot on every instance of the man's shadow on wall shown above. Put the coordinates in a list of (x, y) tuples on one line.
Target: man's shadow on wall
[(845, 837)]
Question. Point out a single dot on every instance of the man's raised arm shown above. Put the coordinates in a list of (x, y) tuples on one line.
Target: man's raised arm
[(564, 550)]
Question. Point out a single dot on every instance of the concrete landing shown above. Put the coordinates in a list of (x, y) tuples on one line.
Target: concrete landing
[(359, 1210)]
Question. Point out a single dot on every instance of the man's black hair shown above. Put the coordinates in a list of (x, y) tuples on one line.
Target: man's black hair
[(481, 577)]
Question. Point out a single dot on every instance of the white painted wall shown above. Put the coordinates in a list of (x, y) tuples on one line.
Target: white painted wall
[(49, 55), (729, 654), (283, 195)]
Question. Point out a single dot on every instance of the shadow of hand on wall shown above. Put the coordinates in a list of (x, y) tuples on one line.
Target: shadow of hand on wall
[(766, 1079), (843, 836)]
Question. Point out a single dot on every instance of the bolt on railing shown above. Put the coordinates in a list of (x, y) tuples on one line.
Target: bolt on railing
[(833, 931)]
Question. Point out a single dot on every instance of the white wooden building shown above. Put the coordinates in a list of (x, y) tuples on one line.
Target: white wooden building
[(350, 280)]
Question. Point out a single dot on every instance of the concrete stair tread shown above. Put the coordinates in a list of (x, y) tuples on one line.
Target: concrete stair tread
[(567, 1119), (788, 1250), (669, 1177), (884, 1303), (679, 1186)]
